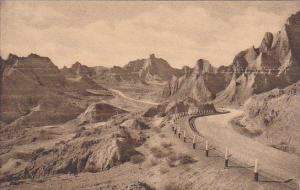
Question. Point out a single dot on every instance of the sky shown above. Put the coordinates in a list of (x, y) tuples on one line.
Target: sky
[(114, 33)]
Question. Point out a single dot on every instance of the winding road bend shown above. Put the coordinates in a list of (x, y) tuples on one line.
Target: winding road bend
[(217, 129), (131, 99)]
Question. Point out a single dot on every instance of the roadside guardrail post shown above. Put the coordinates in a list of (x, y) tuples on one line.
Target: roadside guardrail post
[(256, 170), (194, 141), (206, 148), (226, 157)]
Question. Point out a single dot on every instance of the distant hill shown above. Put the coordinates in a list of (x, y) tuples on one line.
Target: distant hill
[(151, 69), (33, 87)]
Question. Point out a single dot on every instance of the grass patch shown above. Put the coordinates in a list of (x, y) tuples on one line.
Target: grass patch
[(174, 160), (172, 186), (166, 144), (159, 152)]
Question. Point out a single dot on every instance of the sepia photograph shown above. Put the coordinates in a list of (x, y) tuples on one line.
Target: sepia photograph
[(149, 95)]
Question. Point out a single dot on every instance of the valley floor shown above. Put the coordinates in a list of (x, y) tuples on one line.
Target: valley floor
[(167, 163)]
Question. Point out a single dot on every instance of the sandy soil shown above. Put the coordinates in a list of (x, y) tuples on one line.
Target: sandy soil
[(168, 163)]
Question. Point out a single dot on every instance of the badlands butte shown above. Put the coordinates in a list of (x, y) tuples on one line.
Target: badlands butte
[(83, 127)]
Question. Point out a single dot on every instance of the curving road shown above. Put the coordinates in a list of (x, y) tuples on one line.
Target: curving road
[(217, 129), (131, 99)]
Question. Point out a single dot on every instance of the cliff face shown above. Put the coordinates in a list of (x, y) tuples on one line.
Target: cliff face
[(157, 69), (275, 64), (276, 113), (201, 83), (33, 87)]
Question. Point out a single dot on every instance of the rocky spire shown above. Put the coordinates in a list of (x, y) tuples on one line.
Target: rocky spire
[(266, 42)]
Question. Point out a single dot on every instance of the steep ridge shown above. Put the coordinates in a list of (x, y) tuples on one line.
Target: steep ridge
[(140, 70), (35, 82), (201, 83), (77, 69), (275, 64)]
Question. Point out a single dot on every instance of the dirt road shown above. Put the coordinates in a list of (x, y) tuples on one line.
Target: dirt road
[(131, 99), (218, 130)]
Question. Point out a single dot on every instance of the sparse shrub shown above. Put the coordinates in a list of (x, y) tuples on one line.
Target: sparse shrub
[(172, 158), (39, 150), (153, 162), (166, 144), (34, 139), (179, 159), (172, 186), (97, 131), (163, 170), (186, 159), (158, 153), (136, 159), (162, 135), (157, 129)]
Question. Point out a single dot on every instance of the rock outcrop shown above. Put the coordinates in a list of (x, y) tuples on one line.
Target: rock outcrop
[(77, 69), (276, 113), (275, 64), (99, 112), (201, 83), (92, 150)]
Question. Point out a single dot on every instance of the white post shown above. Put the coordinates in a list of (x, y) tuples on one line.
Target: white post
[(226, 157), (194, 141), (184, 133), (226, 153), (206, 148), (256, 170), (256, 166)]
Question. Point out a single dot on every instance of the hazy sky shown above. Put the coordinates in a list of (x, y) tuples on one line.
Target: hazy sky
[(113, 33)]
